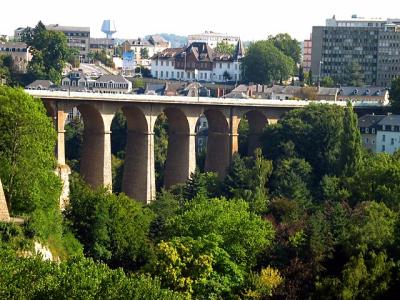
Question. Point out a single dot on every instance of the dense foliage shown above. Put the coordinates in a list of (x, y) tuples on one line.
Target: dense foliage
[(308, 216), (264, 63), (50, 53)]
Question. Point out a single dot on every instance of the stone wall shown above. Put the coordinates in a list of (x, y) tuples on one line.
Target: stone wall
[(4, 215)]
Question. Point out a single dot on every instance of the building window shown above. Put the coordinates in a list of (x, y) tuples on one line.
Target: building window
[(367, 130), (220, 65), (172, 74), (162, 74), (156, 62), (166, 74), (177, 74), (162, 63), (229, 65), (383, 148), (205, 75), (156, 74), (383, 127), (167, 63), (372, 130), (383, 138), (392, 141)]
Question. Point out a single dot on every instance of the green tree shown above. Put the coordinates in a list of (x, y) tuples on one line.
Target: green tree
[(264, 63), (225, 48), (292, 179), (353, 75), (78, 278), (112, 228), (394, 96), (197, 267), (244, 234), (289, 46), (327, 81), (314, 133), (50, 52), (350, 155), (27, 141), (363, 277)]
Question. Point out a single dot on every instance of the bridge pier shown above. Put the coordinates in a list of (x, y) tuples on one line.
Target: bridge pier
[(139, 176)]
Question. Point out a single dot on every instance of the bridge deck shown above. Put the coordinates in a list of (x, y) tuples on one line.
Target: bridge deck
[(63, 95)]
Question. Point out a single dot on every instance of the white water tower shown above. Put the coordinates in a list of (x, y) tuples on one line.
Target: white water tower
[(108, 28)]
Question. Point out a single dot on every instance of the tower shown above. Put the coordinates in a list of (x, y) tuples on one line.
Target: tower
[(108, 28)]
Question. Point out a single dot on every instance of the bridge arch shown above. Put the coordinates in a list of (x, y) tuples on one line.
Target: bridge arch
[(138, 179), (180, 154), (256, 121), (218, 142), (95, 165)]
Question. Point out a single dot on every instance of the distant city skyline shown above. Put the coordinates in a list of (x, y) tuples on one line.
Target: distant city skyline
[(252, 20)]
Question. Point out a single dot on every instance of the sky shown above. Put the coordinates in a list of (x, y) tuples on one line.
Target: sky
[(249, 19)]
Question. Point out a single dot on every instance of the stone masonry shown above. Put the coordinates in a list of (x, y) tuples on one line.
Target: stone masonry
[(4, 214)]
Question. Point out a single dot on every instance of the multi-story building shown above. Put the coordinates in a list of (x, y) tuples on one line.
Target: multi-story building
[(388, 134), (341, 43), (20, 54), (198, 61), (144, 49), (77, 38), (388, 54), (306, 60), (368, 125), (212, 38), (99, 44)]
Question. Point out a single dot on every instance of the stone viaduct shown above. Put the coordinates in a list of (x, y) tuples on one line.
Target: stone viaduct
[(141, 112)]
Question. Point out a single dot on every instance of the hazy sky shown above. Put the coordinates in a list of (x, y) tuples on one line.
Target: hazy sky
[(250, 19)]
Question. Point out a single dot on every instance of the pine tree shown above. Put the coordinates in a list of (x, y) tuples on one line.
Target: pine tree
[(351, 143)]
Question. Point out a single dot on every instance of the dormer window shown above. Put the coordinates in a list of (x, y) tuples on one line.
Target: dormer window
[(372, 130), (383, 127), (367, 130)]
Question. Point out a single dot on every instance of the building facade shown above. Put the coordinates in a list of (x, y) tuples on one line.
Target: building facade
[(372, 44), (100, 44), (77, 38), (197, 62), (368, 125), (212, 38), (307, 50), (388, 55), (388, 134), (20, 54)]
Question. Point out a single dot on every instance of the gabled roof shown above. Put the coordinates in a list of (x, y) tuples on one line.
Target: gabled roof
[(361, 91), (168, 53), (40, 83), (369, 120), (390, 120), (114, 78), (20, 45)]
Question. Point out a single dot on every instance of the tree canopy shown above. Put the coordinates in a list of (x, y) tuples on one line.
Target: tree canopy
[(50, 52), (265, 63)]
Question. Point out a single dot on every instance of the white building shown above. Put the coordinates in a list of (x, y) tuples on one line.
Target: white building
[(198, 61), (212, 38), (388, 134)]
